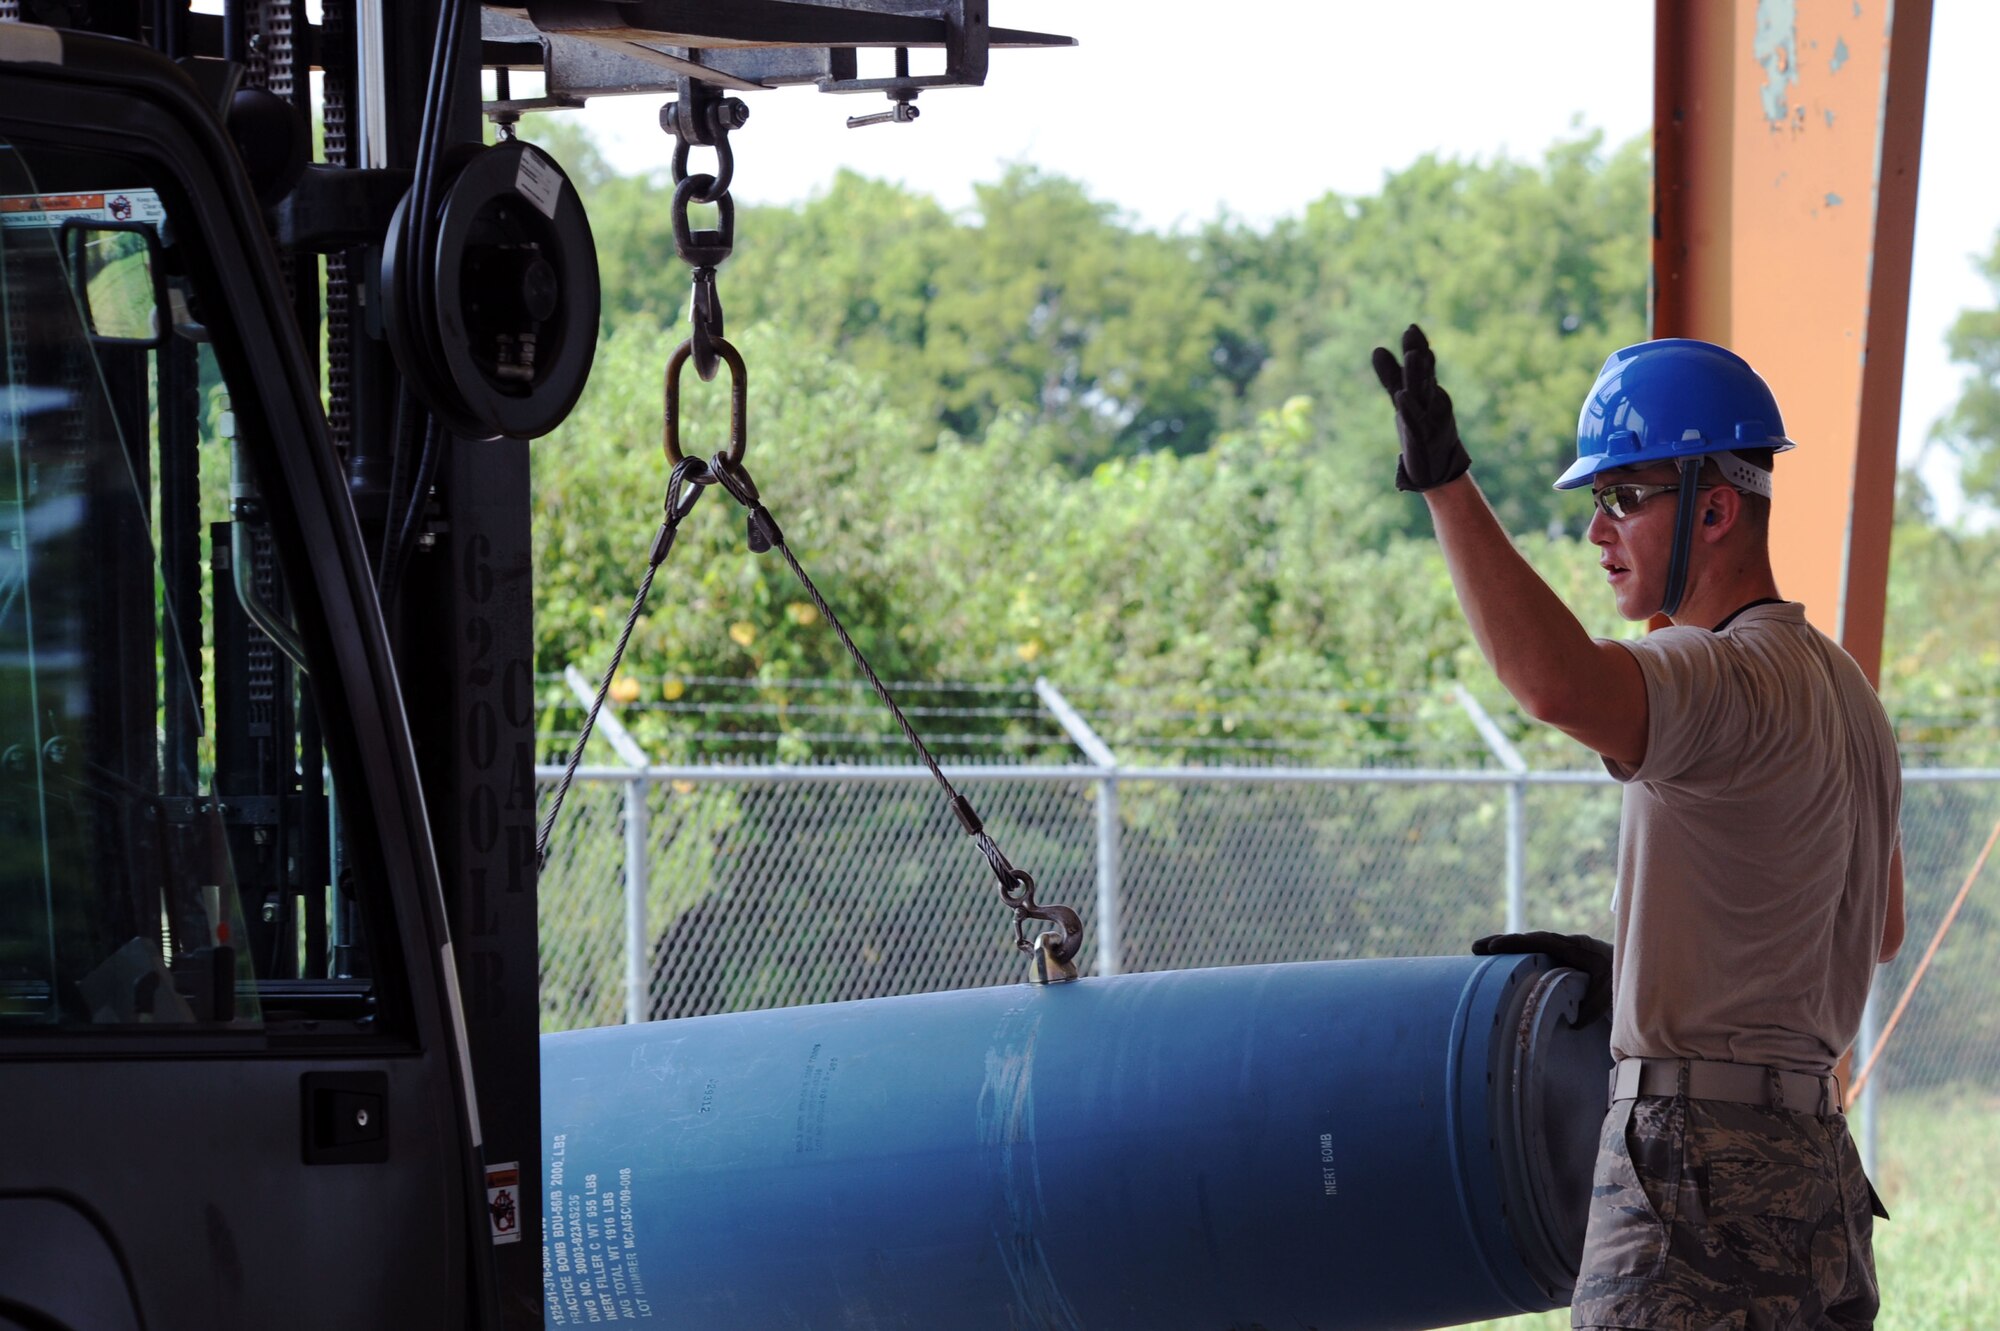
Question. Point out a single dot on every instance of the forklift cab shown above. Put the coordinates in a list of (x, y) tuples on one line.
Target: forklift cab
[(229, 1014)]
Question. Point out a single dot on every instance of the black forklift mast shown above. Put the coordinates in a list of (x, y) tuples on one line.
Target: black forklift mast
[(269, 1008)]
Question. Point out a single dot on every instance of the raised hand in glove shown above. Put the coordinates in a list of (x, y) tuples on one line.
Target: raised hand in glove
[(1580, 952), (1432, 453)]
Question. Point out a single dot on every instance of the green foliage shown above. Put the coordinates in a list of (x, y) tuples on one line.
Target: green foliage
[(1042, 299), (1941, 652), (1044, 303), (1973, 427), (1523, 277), (1252, 564), (1270, 557), (826, 449)]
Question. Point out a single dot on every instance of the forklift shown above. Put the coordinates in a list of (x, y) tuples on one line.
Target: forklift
[(279, 326)]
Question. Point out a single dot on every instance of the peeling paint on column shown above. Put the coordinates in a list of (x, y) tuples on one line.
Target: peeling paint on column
[(1777, 50), (1805, 220)]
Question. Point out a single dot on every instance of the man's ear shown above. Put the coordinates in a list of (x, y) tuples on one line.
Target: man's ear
[(1721, 510)]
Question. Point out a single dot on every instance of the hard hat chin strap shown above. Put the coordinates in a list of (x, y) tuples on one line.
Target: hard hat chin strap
[(1677, 563)]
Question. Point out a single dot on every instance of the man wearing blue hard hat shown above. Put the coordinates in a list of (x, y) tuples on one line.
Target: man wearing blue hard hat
[(1759, 869)]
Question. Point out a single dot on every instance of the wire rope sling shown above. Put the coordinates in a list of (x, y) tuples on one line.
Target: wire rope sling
[(702, 117)]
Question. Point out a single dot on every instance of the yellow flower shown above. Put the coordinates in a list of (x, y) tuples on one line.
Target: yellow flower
[(671, 689), (1030, 649), (802, 612), (743, 633), (625, 689)]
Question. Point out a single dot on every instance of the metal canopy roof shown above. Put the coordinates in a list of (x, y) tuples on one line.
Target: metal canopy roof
[(592, 48)]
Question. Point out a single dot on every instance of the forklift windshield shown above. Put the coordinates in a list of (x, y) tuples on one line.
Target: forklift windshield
[(166, 824)]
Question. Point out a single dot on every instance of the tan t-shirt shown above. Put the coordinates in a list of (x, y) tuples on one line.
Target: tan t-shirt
[(1754, 848)]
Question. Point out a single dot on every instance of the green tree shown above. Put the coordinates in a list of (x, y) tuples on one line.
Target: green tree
[(1972, 429), (1258, 276), (573, 148), (1041, 299), (856, 269), (1525, 277), (825, 447), (1058, 305)]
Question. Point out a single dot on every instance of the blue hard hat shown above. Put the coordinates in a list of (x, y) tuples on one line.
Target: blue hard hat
[(1671, 399)]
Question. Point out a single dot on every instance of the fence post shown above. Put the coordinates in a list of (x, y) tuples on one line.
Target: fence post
[(1110, 925), (637, 840), (1110, 921), (638, 843), (1517, 807)]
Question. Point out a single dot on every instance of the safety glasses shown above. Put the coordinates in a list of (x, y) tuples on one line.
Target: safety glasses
[(1619, 502)]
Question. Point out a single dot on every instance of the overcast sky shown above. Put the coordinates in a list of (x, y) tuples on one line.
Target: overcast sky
[(1175, 110)]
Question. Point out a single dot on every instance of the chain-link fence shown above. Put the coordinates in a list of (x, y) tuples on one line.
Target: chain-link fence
[(715, 882)]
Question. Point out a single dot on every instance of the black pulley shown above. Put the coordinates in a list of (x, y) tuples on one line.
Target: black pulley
[(499, 339)]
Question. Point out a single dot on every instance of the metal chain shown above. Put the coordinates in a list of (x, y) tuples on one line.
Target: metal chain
[(701, 116), (684, 486)]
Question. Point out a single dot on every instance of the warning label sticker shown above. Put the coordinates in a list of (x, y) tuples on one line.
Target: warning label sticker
[(539, 181), (52, 210), (503, 1201)]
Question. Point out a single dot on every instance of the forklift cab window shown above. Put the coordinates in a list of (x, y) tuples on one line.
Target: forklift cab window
[(169, 837)]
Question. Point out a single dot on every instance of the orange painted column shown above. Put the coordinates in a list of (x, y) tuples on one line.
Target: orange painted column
[(1786, 135)]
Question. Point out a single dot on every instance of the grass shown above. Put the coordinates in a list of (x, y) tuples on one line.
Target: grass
[(1938, 1259)]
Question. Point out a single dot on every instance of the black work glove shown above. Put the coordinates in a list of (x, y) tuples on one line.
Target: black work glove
[(1432, 453), (1580, 952)]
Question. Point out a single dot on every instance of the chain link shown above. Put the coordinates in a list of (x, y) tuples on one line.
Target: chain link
[(739, 401)]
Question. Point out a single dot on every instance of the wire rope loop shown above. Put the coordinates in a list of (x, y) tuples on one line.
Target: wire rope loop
[(732, 476), (684, 486), (725, 169), (739, 404), (706, 248), (1017, 888)]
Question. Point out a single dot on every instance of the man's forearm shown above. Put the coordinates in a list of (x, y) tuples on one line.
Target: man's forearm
[(1530, 638), (1592, 691)]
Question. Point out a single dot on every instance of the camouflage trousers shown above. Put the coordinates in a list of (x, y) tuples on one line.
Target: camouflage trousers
[(1712, 1214)]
